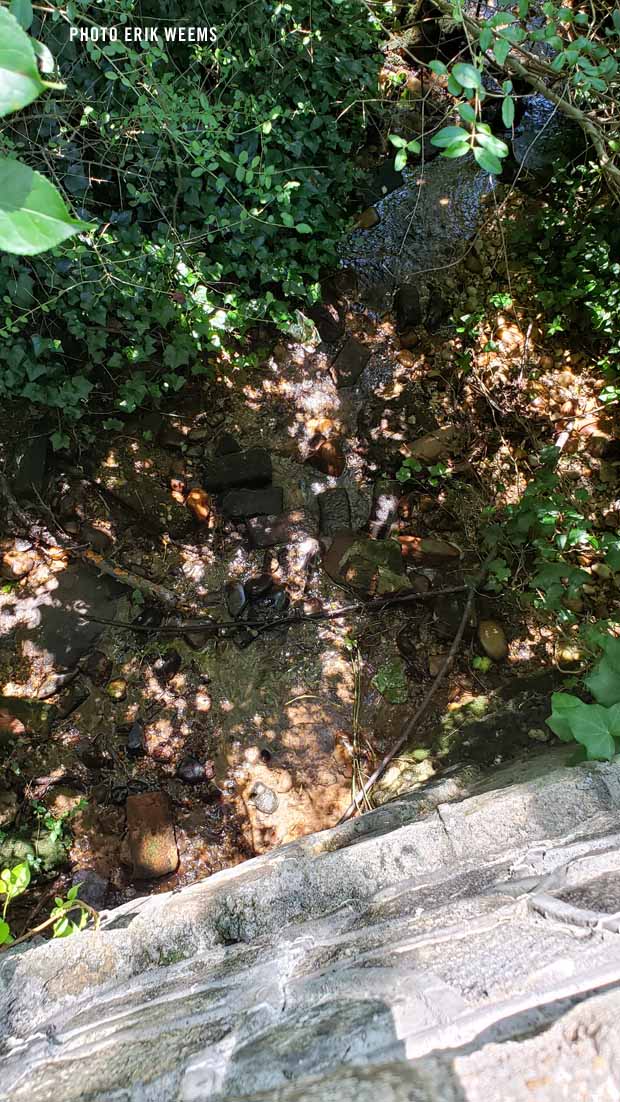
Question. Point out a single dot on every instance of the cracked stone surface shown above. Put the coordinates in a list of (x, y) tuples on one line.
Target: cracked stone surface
[(457, 947)]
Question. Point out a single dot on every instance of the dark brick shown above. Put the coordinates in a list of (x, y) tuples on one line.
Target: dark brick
[(253, 503), (250, 468), (350, 362)]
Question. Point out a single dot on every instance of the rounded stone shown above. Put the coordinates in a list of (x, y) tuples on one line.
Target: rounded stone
[(264, 799)]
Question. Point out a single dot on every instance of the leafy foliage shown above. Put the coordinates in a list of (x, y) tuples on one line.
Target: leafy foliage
[(595, 726), (218, 176)]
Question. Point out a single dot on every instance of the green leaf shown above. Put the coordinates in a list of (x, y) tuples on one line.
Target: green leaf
[(457, 149), (467, 112), (396, 140), (508, 112), (590, 727), (33, 215), (488, 161), (400, 160), (437, 67), (454, 87), (303, 227), (5, 932), (467, 75), (501, 50), (604, 684), (20, 82), (486, 39), (390, 680), (611, 649), (493, 144), (563, 706), (448, 135), (22, 10)]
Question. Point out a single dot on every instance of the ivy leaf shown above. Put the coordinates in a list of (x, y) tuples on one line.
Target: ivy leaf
[(467, 75), (488, 161), (20, 82), (22, 10), (590, 727), (303, 227), (33, 215), (508, 112), (563, 706), (604, 684), (486, 39), (448, 135)]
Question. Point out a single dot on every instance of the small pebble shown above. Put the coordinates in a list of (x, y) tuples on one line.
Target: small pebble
[(166, 666), (117, 689), (193, 771), (264, 799), (493, 640), (135, 740), (236, 599)]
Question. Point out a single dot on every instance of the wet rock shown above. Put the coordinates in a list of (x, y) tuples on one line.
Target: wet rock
[(97, 538), (151, 841), (136, 745), (236, 599), (407, 643), (198, 640), (192, 771), (251, 468), (492, 639), (350, 362), (327, 319), (370, 567), (117, 689), (238, 504), (55, 682), (264, 798), (408, 307), (428, 552), (167, 666), (435, 445), (15, 564), (93, 888), (328, 458), (409, 340), (199, 503), (272, 531), (227, 444), (437, 310), (28, 465), (258, 586), (334, 511), (384, 180), (150, 617), (368, 218), (384, 508)]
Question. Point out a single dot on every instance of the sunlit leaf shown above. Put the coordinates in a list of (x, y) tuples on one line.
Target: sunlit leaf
[(33, 215), (20, 82)]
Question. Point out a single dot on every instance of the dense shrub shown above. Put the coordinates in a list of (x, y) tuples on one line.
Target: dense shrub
[(218, 175)]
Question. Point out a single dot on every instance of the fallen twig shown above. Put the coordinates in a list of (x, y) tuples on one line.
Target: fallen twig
[(215, 627), (419, 712)]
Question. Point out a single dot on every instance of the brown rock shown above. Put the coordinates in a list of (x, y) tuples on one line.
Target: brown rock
[(368, 218), (97, 538), (199, 502), (428, 552), (435, 445), (98, 667), (410, 339), (492, 639), (405, 358), (151, 843), (272, 531), (328, 458), (16, 564), (350, 362)]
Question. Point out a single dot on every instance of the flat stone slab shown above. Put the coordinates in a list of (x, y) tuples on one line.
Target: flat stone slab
[(54, 625), (237, 504), (151, 842), (250, 468), (350, 362)]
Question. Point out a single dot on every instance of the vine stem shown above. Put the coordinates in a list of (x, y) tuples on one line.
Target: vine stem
[(411, 725)]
